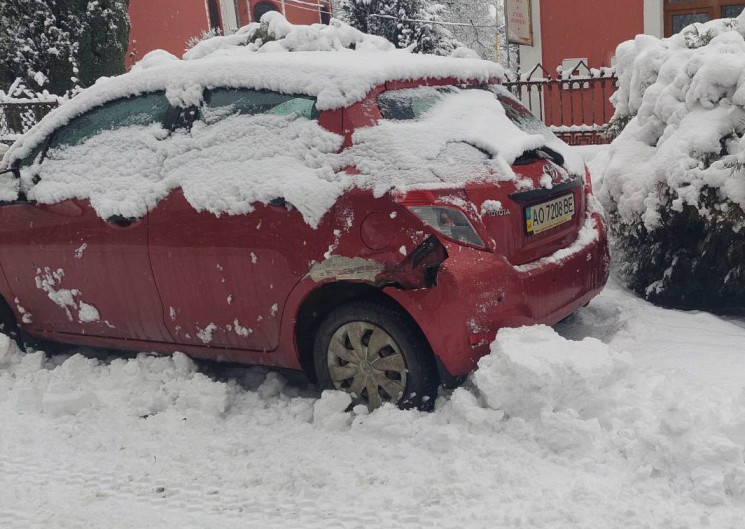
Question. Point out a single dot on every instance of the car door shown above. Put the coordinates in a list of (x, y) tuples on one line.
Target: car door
[(71, 270), (224, 275)]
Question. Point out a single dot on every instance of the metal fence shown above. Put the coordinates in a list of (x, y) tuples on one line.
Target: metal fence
[(575, 105), (17, 117)]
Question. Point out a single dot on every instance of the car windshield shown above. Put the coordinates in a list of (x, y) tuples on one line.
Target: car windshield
[(519, 115)]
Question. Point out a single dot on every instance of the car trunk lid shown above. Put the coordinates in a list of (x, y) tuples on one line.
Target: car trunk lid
[(506, 209)]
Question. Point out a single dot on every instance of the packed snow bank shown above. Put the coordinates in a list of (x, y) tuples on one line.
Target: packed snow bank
[(548, 432), (582, 398), (674, 182)]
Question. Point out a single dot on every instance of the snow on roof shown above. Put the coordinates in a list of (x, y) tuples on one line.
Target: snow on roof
[(227, 164), (686, 94), (322, 64)]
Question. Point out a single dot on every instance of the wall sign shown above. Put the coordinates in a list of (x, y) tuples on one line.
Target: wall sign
[(519, 19)]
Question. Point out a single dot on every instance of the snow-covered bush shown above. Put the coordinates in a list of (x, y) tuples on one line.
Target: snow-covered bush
[(674, 179), (62, 44)]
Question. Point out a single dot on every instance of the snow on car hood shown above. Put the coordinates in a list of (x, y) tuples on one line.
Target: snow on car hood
[(226, 166)]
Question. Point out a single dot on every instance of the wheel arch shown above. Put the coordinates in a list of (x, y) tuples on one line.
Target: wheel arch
[(324, 299)]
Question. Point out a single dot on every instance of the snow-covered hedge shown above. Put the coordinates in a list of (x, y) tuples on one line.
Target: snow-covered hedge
[(674, 180)]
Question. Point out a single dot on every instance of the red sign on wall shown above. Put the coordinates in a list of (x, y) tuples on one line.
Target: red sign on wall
[(519, 22)]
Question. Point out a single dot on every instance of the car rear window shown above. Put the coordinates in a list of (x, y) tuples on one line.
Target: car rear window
[(519, 115), (221, 103), (411, 103)]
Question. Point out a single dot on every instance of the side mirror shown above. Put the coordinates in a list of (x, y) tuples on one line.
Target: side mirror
[(16, 172)]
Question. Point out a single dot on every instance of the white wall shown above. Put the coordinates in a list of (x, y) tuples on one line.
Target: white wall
[(532, 55), (653, 18), (229, 16)]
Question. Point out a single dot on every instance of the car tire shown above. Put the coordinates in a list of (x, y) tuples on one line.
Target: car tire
[(9, 325), (398, 367)]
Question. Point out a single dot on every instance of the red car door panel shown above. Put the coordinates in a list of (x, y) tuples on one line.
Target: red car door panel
[(224, 280), (73, 272)]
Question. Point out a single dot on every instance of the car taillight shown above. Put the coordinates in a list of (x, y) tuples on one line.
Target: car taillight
[(452, 223), (588, 181)]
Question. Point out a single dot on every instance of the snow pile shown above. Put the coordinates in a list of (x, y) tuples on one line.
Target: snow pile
[(275, 34), (543, 417), (34, 384), (444, 142), (228, 162), (126, 171), (674, 178), (222, 167), (336, 79), (584, 400)]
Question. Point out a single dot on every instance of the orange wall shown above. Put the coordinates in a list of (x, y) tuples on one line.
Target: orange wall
[(169, 24), (587, 28), (165, 24)]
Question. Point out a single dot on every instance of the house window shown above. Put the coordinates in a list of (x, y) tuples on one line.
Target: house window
[(213, 11), (262, 8), (325, 13), (681, 13)]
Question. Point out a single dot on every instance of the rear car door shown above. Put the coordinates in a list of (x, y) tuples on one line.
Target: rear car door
[(225, 274), (71, 270)]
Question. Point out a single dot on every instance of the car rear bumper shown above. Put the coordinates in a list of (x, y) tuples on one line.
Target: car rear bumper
[(480, 292)]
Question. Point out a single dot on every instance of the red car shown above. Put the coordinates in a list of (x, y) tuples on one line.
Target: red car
[(384, 294)]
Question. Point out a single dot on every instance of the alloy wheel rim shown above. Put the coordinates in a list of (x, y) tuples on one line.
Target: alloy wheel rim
[(365, 361)]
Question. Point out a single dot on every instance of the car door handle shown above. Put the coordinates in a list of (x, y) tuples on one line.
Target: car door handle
[(66, 208), (122, 221)]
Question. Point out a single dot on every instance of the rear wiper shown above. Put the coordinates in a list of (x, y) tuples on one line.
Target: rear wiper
[(541, 153)]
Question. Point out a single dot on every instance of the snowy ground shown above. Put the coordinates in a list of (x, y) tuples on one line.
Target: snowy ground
[(627, 416)]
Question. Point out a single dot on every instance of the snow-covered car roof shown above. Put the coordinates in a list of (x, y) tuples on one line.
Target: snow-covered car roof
[(337, 75)]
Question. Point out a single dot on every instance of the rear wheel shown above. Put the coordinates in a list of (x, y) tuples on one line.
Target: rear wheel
[(376, 355)]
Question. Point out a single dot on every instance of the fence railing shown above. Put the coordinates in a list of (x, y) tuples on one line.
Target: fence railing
[(17, 117), (575, 105)]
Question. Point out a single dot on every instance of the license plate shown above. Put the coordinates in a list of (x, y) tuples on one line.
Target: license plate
[(547, 215)]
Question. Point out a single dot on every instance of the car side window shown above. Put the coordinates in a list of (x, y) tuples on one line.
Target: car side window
[(411, 103), (144, 110), (224, 102)]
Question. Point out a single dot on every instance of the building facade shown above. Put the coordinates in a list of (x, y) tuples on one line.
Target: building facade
[(170, 24), (565, 31)]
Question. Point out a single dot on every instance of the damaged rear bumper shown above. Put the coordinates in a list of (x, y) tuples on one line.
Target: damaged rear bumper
[(479, 292)]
